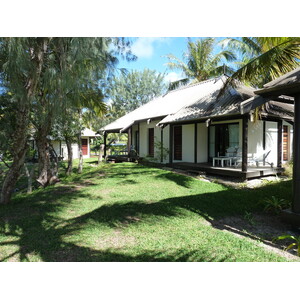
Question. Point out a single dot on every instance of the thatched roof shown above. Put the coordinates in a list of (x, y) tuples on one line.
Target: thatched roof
[(287, 84), (168, 104), (197, 102), (213, 105)]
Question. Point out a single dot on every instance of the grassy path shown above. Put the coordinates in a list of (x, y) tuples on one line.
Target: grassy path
[(128, 212)]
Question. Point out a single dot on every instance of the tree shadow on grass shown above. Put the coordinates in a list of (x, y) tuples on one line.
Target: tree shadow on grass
[(183, 181), (215, 208), (32, 225), (33, 228)]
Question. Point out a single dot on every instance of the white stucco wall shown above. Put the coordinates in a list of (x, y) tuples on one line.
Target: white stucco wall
[(271, 141), (188, 143), (255, 139), (144, 126), (202, 132)]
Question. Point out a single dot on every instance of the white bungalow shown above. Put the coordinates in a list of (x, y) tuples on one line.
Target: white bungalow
[(61, 150), (218, 134)]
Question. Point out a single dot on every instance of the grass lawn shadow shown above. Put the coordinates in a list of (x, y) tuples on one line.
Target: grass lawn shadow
[(36, 225)]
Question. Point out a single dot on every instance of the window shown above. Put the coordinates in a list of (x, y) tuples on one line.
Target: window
[(151, 142), (222, 137), (177, 142), (233, 135), (136, 141), (286, 143)]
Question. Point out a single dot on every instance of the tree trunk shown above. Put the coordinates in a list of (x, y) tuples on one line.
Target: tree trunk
[(13, 173), (20, 137), (54, 165), (47, 172), (44, 157), (29, 174), (70, 156), (100, 151), (80, 165)]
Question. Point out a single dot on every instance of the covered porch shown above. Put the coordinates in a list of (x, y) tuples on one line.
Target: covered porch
[(207, 168), (233, 146)]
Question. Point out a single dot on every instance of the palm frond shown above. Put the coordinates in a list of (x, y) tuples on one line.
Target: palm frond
[(279, 59)]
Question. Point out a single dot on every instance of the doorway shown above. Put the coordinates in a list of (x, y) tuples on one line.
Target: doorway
[(222, 137), (84, 143)]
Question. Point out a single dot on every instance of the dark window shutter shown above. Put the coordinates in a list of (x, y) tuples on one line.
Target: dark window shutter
[(151, 142), (177, 142), (285, 143)]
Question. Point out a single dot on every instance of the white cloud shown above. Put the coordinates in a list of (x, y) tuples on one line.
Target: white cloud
[(143, 47), (173, 76)]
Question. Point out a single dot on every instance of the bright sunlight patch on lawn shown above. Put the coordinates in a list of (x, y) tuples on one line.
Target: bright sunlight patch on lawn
[(129, 212)]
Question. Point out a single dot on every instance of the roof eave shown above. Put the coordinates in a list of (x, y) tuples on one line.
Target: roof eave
[(278, 90)]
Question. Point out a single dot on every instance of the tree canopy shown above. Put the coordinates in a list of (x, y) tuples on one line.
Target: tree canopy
[(44, 79), (201, 62), (263, 58), (131, 90)]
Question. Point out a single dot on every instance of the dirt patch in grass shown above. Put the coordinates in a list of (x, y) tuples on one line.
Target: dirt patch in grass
[(105, 192), (65, 189), (86, 183), (263, 228), (130, 219), (116, 240)]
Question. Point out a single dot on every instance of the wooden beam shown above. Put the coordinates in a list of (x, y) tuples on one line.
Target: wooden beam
[(264, 135), (129, 140), (171, 134), (195, 142), (264, 139), (208, 142), (105, 146), (245, 144), (296, 157), (279, 143), (161, 144), (138, 141)]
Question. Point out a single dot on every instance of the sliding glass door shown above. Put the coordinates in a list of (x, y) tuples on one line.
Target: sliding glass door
[(222, 137)]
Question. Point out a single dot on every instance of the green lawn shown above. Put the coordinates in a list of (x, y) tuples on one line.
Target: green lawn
[(129, 212)]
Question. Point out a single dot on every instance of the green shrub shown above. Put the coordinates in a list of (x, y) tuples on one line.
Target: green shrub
[(295, 244), (275, 204), (249, 217)]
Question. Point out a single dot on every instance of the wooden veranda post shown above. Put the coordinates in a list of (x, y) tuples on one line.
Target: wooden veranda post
[(195, 143), (279, 144), (171, 134), (105, 147), (245, 144), (296, 157), (161, 144), (138, 141), (129, 141)]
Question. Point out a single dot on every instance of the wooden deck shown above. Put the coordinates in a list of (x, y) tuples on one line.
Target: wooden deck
[(120, 158), (252, 172)]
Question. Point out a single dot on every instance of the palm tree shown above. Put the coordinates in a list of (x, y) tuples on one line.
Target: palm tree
[(200, 63), (263, 58)]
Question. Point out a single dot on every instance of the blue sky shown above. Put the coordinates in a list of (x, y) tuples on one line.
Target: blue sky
[(151, 51)]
